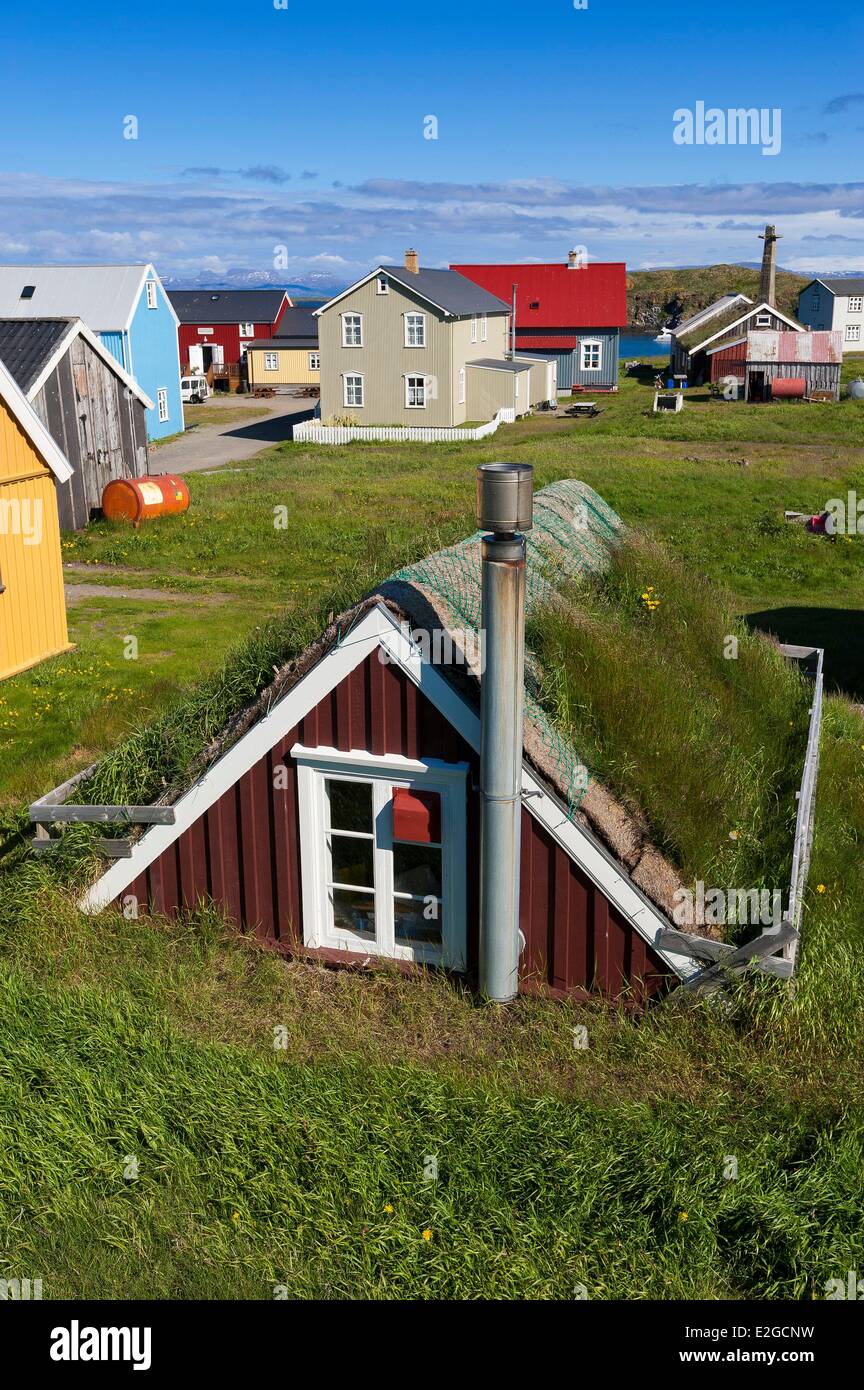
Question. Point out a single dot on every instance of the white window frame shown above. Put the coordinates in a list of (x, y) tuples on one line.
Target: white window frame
[(763, 320), (152, 297), (314, 361), (344, 317), (382, 285), (853, 333), (415, 314), (584, 365), (271, 361), (386, 774), (162, 404), (484, 328), (353, 376), (473, 328), (462, 375), (856, 303), (415, 376), (247, 330)]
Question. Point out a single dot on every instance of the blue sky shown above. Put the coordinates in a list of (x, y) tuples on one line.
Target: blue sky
[(302, 127)]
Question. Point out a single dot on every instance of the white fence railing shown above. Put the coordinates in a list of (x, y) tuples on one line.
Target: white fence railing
[(806, 799), (313, 432)]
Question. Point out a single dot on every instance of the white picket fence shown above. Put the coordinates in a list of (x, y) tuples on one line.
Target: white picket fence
[(313, 432)]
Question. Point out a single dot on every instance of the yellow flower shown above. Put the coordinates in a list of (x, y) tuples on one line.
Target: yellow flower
[(427, 1234), (820, 887), (388, 1206), (235, 1216), (682, 1216), (733, 834)]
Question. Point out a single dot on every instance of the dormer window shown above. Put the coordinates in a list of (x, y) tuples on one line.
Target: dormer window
[(383, 285), (28, 291), (763, 320)]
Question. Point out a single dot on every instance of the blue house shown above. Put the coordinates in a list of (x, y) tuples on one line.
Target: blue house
[(126, 307)]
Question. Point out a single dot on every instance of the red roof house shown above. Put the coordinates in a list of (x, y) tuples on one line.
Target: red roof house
[(572, 311), (217, 326)]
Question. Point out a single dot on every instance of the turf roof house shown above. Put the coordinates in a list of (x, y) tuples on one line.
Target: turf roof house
[(93, 410), (217, 326), (126, 307), (691, 345), (406, 346), (835, 304), (334, 810), (569, 313)]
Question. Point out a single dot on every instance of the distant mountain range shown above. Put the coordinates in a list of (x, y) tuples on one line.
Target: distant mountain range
[(315, 285)]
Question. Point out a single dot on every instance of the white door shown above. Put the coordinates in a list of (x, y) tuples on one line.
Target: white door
[(196, 358), (218, 355)]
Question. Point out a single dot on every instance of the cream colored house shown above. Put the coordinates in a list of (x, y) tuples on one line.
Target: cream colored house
[(291, 357), (405, 346)]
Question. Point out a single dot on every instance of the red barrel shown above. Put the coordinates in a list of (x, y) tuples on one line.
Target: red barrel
[(140, 499), (788, 388)]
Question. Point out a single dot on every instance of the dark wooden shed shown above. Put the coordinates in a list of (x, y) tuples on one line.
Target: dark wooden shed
[(93, 410)]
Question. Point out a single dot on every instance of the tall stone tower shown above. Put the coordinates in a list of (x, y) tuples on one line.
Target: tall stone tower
[(768, 279)]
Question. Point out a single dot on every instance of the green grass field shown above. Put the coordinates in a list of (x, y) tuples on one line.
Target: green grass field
[(155, 1141)]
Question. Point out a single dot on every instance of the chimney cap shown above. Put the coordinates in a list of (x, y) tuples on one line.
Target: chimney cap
[(505, 497), (412, 261)]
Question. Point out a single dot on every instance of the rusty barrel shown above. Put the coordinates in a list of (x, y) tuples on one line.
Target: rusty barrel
[(141, 499)]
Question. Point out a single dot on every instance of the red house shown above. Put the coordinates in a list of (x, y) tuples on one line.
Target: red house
[(572, 312), (217, 325), (339, 815)]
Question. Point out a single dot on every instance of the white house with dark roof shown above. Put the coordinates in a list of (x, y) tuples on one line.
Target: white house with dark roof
[(406, 346), (836, 304)]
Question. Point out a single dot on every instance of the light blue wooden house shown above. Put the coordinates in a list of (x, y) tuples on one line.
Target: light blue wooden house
[(126, 307)]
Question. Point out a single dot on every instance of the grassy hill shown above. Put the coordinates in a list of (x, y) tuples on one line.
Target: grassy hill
[(655, 296)]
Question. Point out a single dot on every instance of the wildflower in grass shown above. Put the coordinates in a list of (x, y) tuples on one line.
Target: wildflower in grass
[(235, 1216), (427, 1234), (683, 1216), (388, 1206), (734, 834), (820, 888)]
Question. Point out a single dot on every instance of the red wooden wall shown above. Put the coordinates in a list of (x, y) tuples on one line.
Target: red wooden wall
[(245, 851), (227, 334)]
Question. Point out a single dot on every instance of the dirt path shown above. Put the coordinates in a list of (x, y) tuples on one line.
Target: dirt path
[(79, 593), (210, 446)]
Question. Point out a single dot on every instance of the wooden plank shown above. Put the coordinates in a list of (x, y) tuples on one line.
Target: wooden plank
[(103, 815), (740, 959), (701, 948)]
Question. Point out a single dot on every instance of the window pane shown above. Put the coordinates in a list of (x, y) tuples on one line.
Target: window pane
[(352, 861), (417, 869), (350, 806), (418, 922), (354, 912)]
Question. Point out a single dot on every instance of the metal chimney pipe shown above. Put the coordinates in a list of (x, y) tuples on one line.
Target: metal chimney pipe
[(505, 508)]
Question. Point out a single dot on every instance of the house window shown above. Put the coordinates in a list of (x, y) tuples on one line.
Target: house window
[(763, 320), (162, 403), (591, 352), (383, 286), (415, 392), (352, 330), (856, 303), (853, 332), (382, 845), (461, 385), (271, 361), (484, 328), (247, 330), (415, 330), (353, 391), (314, 361), (817, 300), (152, 302), (474, 328)]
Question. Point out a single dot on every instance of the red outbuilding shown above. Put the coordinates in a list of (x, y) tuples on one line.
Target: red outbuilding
[(572, 312), (216, 326)]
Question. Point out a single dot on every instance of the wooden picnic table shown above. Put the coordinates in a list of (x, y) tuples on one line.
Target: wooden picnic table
[(583, 408)]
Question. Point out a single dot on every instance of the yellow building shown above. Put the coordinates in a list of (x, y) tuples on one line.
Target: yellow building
[(32, 605), (290, 357)]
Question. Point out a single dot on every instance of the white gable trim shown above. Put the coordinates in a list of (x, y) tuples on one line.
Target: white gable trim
[(756, 309), (379, 628), (14, 397), (379, 270), (721, 347), (149, 273), (78, 328)]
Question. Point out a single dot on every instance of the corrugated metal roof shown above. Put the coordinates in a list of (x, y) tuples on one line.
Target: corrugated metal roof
[(453, 292), (500, 364), (562, 341), (552, 295), (851, 284), (27, 344), (227, 306), (770, 345), (104, 296)]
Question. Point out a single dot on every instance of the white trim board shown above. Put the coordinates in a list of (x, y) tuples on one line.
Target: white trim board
[(32, 426), (379, 627), (753, 310), (413, 289)]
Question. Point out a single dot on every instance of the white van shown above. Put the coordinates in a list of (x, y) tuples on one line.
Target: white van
[(194, 389)]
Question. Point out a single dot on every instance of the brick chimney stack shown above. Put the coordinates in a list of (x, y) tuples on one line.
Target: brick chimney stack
[(412, 262), (768, 279)]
